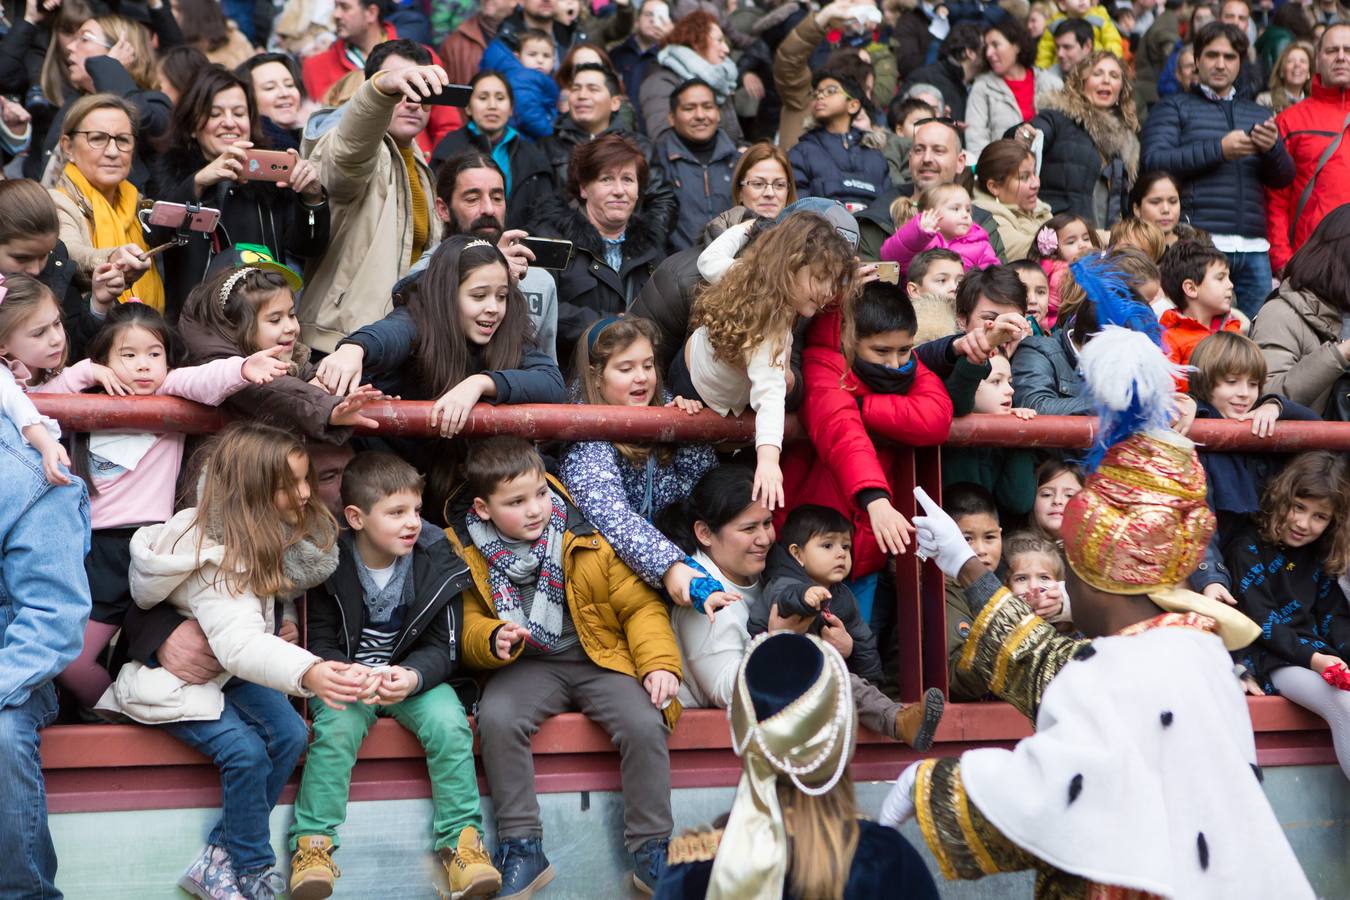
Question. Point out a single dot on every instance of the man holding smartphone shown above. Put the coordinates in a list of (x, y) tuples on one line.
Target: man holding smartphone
[(380, 191)]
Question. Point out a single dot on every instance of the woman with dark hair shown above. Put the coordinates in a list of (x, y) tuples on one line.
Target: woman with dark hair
[(278, 92), (1302, 328), (615, 249), (213, 126), (1004, 95), (529, 177), (178, 70), (1008, 188), (1156, 199), (459, 335), (594, 54), (694, 48), (1090, 155), (205, 27)]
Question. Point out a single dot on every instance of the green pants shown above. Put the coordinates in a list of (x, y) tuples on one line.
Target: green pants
[(436, 717)]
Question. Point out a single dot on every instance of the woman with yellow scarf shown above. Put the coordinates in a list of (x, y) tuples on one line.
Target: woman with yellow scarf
[(96, 203)]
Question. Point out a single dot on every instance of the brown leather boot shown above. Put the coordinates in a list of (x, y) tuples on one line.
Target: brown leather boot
[(915, 723)]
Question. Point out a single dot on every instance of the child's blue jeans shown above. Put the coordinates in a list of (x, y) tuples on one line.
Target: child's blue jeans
[(255, 743)]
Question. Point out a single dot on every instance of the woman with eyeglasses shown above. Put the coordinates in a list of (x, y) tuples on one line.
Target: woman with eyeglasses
[(761, 188), (95, 201), (214, 127), (105, 54), (694, 48)]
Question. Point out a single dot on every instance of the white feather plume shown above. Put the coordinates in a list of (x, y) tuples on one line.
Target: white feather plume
[(1130, 382)]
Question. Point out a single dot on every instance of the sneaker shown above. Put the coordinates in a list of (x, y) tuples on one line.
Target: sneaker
[(649, 864), (211, 876), (312, 868), (916, 723), (262, 884), (524, 867), (470, 871)]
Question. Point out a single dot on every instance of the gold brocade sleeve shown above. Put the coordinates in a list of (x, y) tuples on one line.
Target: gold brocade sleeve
[(964, 843), (1015, 652)]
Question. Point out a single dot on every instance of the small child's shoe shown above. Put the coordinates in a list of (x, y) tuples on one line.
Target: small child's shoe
[(524, 867), (649, 864), (262, 884), (916, 723), (312, 868), (211, 876), (470, 871)]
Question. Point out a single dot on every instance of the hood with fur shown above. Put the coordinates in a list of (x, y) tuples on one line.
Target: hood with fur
[(1112, 137)]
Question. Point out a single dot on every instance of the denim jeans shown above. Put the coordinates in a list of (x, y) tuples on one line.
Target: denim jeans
[(1251, 280), (255, 743), (29, 860)]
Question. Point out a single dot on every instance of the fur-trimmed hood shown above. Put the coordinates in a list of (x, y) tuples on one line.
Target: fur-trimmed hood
[(570, 223), (1108, 131)]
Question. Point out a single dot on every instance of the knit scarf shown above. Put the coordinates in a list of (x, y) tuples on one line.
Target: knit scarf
[(542, 566), (885, 380), (686, 63), (115, 224), (381, 602), (420, 214)]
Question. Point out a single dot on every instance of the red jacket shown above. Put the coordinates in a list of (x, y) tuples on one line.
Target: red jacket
[(842, 458), (1308, 129), (1181, 334), (322, 71)]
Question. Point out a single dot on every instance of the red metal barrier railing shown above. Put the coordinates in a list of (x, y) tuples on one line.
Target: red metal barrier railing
[(921, 606)]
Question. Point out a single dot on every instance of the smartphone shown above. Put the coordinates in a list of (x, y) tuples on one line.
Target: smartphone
[(450, 95), (549, 253), (266, 165), (175, 215), (888, 272)]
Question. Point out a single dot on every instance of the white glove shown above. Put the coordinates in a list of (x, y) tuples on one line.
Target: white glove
[(898, 807), (939, 538)]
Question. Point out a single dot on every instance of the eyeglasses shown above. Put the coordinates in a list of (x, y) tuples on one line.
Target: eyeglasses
[(830, 90), (758, 186), (99, 140)]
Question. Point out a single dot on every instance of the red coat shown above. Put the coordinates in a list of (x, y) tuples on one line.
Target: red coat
[(1308, 128), (842, 458), (1181, 334), (322, 71)]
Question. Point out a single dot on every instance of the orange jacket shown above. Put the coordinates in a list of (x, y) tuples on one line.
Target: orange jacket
[(1181, 333)]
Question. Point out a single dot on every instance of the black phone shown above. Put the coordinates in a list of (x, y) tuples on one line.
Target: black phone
[(549, 253), (450, 95)]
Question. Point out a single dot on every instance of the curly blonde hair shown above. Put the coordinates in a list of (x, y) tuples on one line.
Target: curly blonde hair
[(1075, 83), (753, 301)]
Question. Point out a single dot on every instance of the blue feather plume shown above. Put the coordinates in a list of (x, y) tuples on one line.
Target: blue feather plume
[(1114, 301)]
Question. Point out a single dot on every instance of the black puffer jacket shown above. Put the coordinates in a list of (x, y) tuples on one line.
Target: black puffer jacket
[(1084, 147), (531, 175), (667, 299), (1183, 136), (849, 167), (588, 289)]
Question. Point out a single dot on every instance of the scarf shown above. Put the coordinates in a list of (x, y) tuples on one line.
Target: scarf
[(501, 151), (885, 380), (421, 214), (542, 565), (686, 63), (115, 224), (381, 602)]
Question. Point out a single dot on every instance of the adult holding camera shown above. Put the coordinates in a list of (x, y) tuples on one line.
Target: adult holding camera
[(381, 193), (211, 161), (96, 203)]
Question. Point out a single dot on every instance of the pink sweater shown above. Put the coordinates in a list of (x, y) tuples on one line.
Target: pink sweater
[(145, 494), (1054, 273), (909, 241)]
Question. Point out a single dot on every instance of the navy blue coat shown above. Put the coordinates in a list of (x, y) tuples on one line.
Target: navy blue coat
[(703, 191), (838, 166), (1183, 136)]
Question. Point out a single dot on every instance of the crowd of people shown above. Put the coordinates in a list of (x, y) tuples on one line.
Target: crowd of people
[(878, 218)]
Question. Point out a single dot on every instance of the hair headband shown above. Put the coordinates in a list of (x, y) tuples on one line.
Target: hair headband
[(594, 334), (228, 287)]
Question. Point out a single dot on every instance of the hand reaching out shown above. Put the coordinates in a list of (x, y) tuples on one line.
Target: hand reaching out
[(348, 412), (1217, 591), (340, 371), (265, 365), (928, 221), (892, 530), (768, 484)]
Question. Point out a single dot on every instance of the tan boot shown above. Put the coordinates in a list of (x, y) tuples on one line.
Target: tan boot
[(916, 723), (312, 868), (470, 870)]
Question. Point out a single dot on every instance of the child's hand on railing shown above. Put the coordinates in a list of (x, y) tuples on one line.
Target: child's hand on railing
[(1263, 419)]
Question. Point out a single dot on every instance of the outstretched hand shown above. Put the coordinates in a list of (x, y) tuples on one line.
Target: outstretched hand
[(939, 537)]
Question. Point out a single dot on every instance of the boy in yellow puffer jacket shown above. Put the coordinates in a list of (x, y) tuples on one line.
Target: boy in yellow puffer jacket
[(1105, 35), (567, 626)]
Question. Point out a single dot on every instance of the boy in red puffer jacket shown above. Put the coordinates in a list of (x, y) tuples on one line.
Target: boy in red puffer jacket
[(886, 393)]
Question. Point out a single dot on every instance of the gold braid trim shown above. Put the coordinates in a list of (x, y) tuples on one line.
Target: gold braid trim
[(991, 609), (923, 805), (977, 847), (1148, 481), (697, 846), (1008, 649)]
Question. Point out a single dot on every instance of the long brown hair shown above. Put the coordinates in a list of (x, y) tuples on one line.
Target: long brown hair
[(822, 838), (596, 347), (24, 297), (754, 155), (441, 352), (753, 301), (247, 466), (1075, 83), (1314, 475), (236, 319)]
